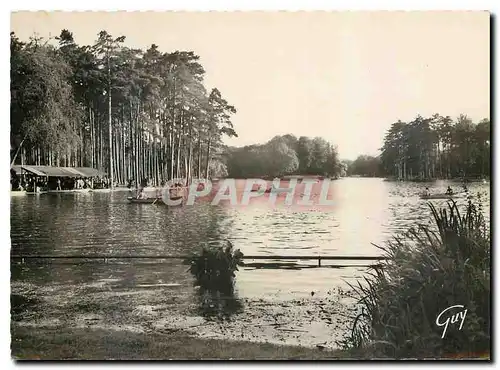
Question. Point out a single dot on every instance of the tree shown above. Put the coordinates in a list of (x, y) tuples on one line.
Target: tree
[(366, 166), (284, 155), (437, 146), (44, 115), (135, 114), (106, 49), (280, 158)]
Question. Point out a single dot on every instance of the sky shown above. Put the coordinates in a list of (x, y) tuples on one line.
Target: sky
[(344, 76)]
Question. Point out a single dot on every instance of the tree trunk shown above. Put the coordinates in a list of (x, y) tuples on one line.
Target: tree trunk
[(199, 157), (111, 177), (208, 158), (178, 162), (172, 153), (190, 159)]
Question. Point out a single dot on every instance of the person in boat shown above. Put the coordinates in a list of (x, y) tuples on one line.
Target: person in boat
[(142, 194), (449, 191), (427, 193)]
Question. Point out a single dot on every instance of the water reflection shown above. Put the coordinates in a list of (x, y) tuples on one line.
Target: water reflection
[(216, 305)]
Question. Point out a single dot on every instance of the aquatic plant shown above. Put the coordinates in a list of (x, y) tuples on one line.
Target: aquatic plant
[(427, 270), (214, 268)]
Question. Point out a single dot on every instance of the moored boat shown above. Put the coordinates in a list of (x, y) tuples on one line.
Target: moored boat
[(145, 200), (270, 189), (153, 201), (101, 190), (70, 191)]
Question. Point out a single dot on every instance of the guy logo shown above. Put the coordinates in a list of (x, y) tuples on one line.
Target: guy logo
[(451, 319)]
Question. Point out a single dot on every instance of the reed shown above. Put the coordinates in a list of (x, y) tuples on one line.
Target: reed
[(428, 269)]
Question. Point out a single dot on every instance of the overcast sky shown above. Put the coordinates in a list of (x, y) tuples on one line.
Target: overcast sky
[(345, 76)]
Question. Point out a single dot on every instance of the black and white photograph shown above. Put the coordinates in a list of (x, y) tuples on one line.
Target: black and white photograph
[(250, 185)]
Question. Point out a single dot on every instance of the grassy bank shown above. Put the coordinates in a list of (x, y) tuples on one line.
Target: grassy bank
[(30, 343)]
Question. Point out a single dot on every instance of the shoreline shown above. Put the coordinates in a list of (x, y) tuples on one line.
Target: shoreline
[(303, 321), (45, 343), (52, 344)]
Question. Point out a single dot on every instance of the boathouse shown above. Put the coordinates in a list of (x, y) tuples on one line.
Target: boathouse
[(52, 178)]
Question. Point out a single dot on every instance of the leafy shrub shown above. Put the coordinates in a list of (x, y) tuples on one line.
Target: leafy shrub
[(214, 268), (426, 271)]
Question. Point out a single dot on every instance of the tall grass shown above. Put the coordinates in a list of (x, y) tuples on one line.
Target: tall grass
[(427, 270)]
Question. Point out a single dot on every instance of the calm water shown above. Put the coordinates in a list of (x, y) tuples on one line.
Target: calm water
[(365, 211)]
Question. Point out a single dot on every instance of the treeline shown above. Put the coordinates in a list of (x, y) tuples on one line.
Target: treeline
[(437, 147), (131, 113), (284, 155), (364, 165)]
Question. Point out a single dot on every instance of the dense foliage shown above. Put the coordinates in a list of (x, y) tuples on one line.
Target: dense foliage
[(428, 270), (284, 155), (365, 165), (131, 113), (214, 268), (437, 147)]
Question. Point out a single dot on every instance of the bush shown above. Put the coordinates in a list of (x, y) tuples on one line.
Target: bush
[(214, 268), (426, 271)]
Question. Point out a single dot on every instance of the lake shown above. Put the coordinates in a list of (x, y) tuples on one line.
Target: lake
[(144, 295)]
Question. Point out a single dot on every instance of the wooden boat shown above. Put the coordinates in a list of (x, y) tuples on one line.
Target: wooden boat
[(256, 189), (153, 201), (438, 196), (118, 188), (101, 190), (145, 200), (69, 191), (272, 189)]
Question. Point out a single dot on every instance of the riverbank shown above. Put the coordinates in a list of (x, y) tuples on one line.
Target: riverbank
[(99, 344)]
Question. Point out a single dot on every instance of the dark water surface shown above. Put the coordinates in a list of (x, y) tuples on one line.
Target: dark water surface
[(280, 305)]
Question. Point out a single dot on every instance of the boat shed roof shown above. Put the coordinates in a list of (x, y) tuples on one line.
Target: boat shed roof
[(17, 169), (48, 171), (90, 172), (34, 170)]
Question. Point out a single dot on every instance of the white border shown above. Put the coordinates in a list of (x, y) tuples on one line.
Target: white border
[(190, 5), (235, 5)]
